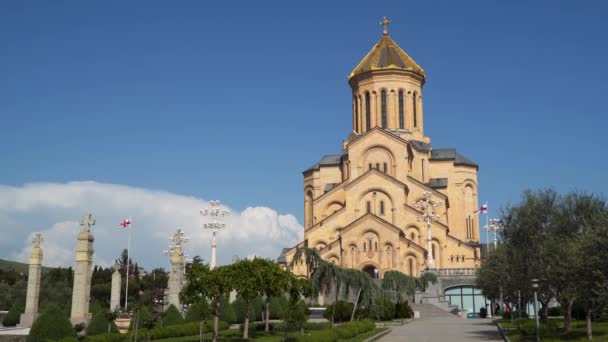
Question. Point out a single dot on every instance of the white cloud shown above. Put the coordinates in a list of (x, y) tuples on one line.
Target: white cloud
[(54, 210)]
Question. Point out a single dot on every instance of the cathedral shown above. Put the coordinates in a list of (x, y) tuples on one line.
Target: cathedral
[(390, 200)]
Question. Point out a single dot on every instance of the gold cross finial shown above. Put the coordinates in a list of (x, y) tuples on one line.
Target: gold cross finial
[(385, 22)]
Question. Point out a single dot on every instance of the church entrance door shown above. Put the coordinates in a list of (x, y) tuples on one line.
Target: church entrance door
[(371, 270)]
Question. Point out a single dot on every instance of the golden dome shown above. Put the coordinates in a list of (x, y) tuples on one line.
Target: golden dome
[(387, 55)]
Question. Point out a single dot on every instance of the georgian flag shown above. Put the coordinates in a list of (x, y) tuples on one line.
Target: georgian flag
[(124, 223), (483, 209)]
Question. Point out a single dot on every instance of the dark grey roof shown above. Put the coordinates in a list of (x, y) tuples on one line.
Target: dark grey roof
[(282, 259), (327, 160), (438, 183), (421, 145), (330, 186), (451, 154)]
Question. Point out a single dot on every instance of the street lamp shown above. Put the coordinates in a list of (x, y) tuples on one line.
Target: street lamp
[(427, 206), (215, 211), (494, 226), (535, 289)]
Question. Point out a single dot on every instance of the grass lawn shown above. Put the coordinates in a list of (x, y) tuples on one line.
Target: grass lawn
[(236, 335), (553, 330)]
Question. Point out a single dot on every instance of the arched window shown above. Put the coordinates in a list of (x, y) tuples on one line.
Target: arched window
[(401, 112), (385, 168), (433, 250), (414, 109), (381, 207), (376, 246), (412, 236), (377, 166), (367, 112), (369, 206), (411, 267), (370, 166), (364, 246), (383, 107)]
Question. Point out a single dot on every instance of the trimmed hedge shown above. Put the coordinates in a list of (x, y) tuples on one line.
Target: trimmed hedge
[(187, 329), (99, 325), (112, 337), (51, 325), (344, 331), (197, 312), (282, 326), (172, 317)]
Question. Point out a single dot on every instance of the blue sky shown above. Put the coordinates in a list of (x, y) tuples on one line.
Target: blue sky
[(233, 100)]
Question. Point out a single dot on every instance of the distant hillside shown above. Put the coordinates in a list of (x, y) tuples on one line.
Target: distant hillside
[(20, 267), (7, 265)]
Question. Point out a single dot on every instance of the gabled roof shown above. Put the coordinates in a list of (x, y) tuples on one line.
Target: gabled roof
[(327, 160), (452, 154), (387, 55)]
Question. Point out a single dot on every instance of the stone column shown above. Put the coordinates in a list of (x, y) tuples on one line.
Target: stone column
[(115, 294), (33, 285), (176, 277), (81, 292), (177, 268)]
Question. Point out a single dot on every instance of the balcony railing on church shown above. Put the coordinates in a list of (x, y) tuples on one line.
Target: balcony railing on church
[(456, 271)]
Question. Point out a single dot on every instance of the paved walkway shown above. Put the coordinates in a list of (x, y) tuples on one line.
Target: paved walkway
[(443, 329)]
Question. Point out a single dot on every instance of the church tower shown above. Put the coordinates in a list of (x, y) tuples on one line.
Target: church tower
[(367, 206)]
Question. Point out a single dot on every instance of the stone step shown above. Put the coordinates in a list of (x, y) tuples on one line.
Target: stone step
[(431, 311)]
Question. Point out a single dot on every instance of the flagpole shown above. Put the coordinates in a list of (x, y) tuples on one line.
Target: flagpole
[(128, 263)]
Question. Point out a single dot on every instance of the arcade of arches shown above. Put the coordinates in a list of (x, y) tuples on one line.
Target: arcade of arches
[(359, 205)]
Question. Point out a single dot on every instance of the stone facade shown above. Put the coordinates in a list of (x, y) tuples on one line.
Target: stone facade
[(81, 291), (359, 205), (33, 285), (115, 290)]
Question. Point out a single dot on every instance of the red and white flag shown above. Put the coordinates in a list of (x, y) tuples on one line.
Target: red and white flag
[(483, 209), (124, 223)]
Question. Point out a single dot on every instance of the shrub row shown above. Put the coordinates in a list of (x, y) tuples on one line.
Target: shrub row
[(385, 311), (507, 315), (187, 329), (282, 326), (344, 331)]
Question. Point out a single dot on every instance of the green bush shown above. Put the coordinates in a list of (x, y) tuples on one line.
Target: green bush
[(343, 311), (112, 337), (403, 310), (187, 329), (172, 317), (141, 315), (386, 310), (227, 312), (99, 324), (342, 332), (197, 312), (278, 307), (14, 314), (51, 325), (507, 315), (283, 326)]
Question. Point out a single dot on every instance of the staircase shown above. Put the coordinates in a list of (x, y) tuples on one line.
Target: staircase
[(428, 311)]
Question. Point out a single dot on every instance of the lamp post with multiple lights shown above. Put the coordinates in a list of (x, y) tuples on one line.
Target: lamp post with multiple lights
[(495, 227), (215, 211), (427, 206)]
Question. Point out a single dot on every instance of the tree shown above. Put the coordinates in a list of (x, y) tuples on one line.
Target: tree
[(248, 284), (297, 311), (52, 324), (204, 283), (274, 284), (101, 323)]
